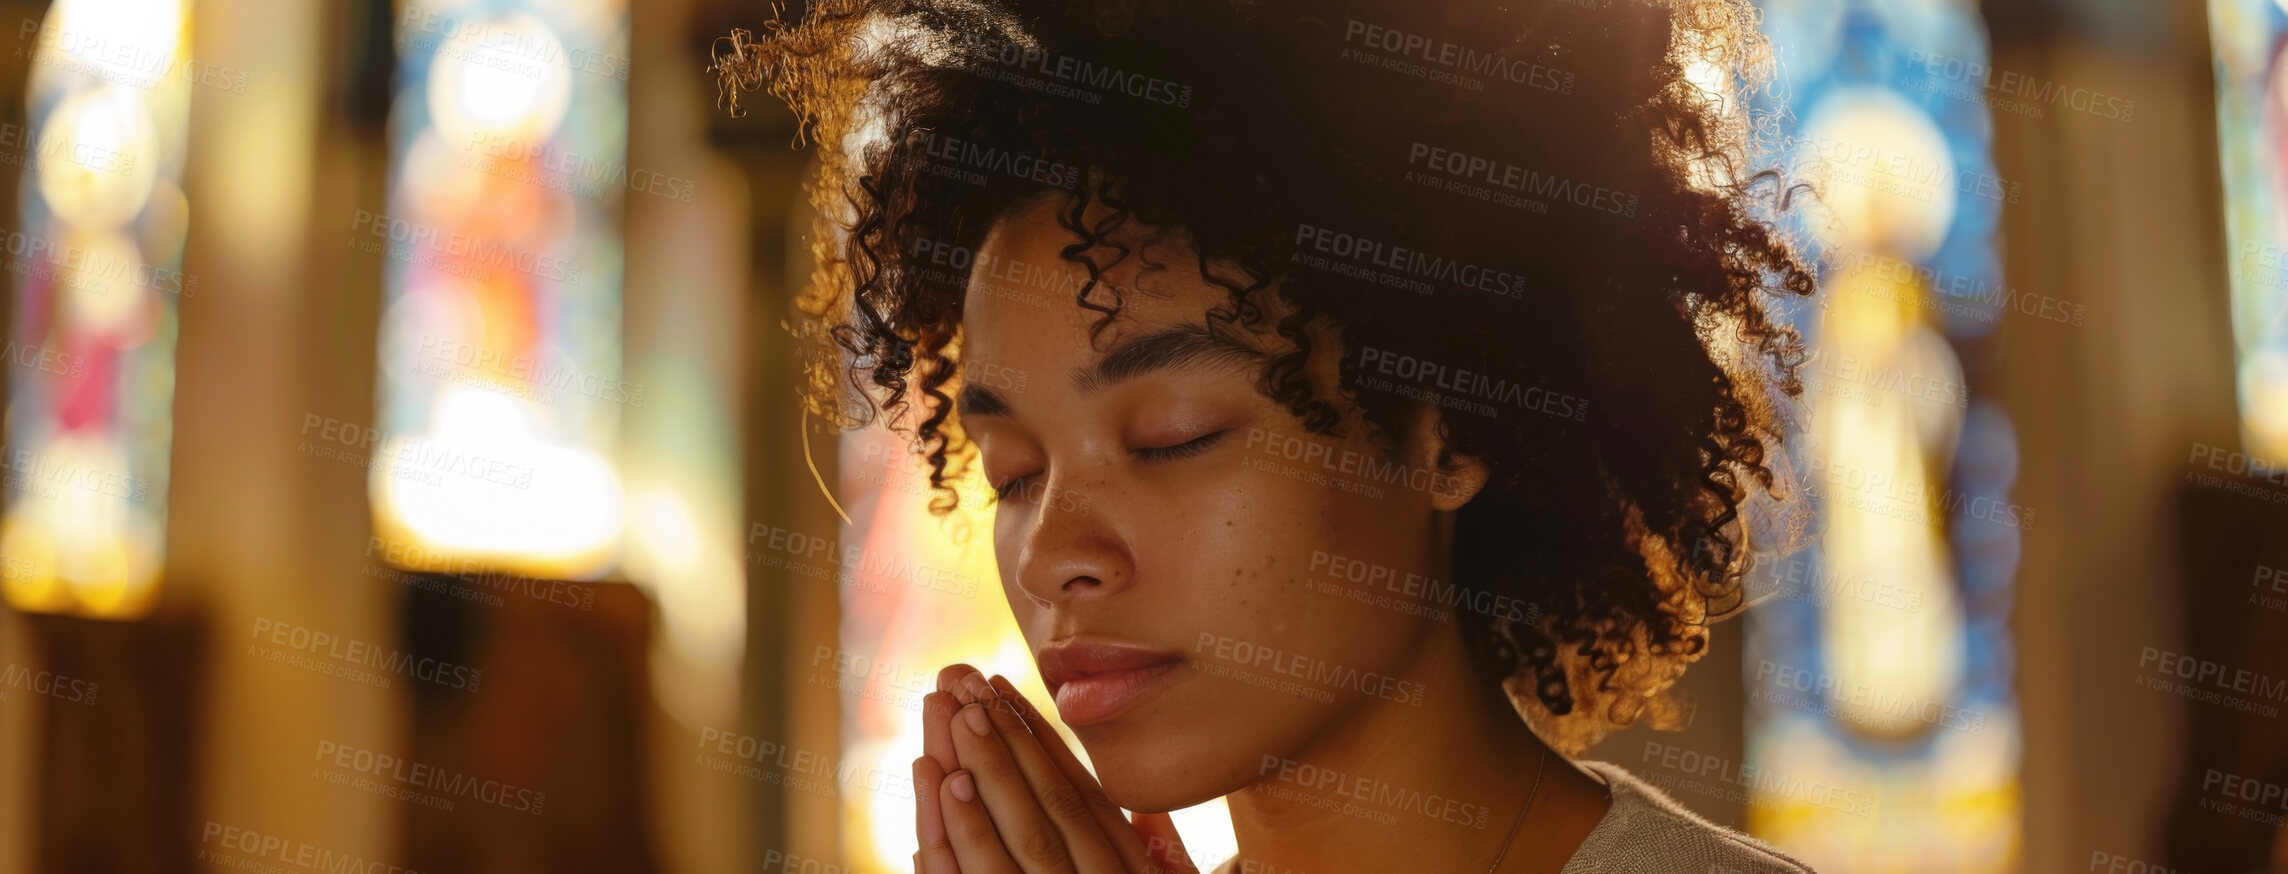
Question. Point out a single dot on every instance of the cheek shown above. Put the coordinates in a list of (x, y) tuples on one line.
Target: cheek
[(1251, 564)]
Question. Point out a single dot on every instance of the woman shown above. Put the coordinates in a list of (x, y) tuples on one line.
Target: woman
[(1357, 382)]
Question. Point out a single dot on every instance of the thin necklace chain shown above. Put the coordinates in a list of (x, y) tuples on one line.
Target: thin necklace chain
[(1530, 794)]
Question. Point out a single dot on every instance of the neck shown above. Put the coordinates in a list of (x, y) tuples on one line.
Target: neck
[(1389, 786)]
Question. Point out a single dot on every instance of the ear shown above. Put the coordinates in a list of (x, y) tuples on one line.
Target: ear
[(1458, 477)]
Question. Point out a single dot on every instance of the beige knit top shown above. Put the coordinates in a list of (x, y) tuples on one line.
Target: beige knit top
[(1646, 832)]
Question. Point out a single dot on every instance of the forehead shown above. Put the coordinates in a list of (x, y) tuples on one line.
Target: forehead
[(1023, 294)]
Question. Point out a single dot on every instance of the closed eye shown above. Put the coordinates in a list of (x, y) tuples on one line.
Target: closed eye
[(1009, 487), (1185, 449), (1013, 486)]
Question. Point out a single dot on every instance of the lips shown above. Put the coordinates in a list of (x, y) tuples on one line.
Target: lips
[(1094, 679)]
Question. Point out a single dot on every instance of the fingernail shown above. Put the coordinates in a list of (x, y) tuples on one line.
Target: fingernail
[(963, 789), (979, 723), (979, 690)]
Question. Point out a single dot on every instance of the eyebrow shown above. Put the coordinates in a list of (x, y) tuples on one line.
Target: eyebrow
[(1178, 348)]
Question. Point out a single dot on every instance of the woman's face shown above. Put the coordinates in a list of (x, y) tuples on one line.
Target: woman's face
[(1184, 558)]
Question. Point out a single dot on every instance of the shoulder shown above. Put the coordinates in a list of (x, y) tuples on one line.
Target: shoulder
[(1646, 831)]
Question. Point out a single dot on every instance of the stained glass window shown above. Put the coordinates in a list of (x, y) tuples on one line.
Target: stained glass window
[(96, 254), (2252, 122), (1883, 732), (501, 386)]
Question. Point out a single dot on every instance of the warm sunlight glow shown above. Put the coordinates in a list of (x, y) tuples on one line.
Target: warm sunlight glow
[(482, 485), (105, 157), (501, 77), (1887, 177)]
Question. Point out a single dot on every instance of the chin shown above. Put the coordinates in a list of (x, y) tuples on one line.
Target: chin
[(1158, 777), (1154, 790)]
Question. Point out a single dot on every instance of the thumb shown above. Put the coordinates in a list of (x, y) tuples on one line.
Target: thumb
[(1161, 842)]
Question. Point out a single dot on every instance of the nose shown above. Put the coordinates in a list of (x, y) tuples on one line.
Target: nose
[(1072, 549)]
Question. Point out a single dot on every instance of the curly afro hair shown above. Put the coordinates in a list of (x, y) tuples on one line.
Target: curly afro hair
[(1543, 199)]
